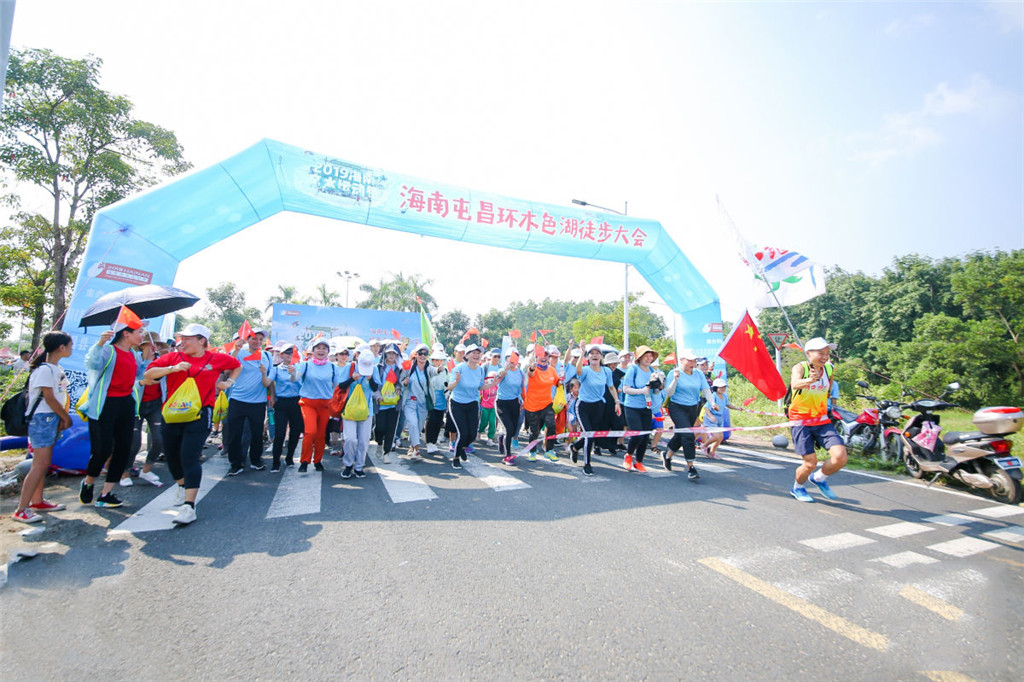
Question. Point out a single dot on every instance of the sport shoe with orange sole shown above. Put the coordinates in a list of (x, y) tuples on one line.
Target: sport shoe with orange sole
[(639, 466), (627, 462)]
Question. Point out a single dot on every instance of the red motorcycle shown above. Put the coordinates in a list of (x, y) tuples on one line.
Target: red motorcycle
[(873, 426)]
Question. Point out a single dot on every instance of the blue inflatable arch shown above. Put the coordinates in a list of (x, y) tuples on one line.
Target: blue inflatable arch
[(143, 239)]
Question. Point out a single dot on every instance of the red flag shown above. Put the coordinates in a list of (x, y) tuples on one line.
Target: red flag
[(255, 356), (484, 342), (794, 346), (533, 337), (126, 318), (407, 365), (227, 347), (746, 352), (515, 334), (545, 332), (395, 334), (597, 339), (451, 364), (670, 359), (749, 400), (392, 377), (296, 356)]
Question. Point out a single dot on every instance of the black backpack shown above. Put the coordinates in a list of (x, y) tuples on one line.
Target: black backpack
[(13, 412)]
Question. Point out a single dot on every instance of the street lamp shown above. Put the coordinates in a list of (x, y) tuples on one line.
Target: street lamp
[(348, 277), (625, 293)]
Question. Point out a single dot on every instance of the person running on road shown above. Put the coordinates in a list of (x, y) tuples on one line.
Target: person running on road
[(47, 410), (810, 382), (387, 378), (684, 391), (247, 402), (595, 388), (416, 388), (487, 399), (287, 411), (636, 386), (508, 403), (541, 381), (361, 372), (183, 441), (464, 401), (316, 378), (716, 419)]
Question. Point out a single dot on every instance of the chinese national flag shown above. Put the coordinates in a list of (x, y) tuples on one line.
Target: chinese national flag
[(533, 337), (245, 331), (451, 364), (126, 318), (296, 357), (255, 356), (515, 334), (545, 332), (395, 334), (392, 377), (484, 342), (407, 365), (597, 339), (746, 352), (227, 347), (670, 359)]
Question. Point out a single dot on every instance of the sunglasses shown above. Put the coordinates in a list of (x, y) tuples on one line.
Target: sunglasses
[(422, 352)]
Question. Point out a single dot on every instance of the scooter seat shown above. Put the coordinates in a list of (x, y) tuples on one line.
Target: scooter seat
[(954, 437)]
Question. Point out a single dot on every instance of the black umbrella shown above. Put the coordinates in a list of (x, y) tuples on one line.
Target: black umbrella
[(146, 301)]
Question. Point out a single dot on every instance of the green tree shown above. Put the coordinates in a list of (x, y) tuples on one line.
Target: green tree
[(401, 293), (226, 311), (450, 327), (26, 283), (63, 134), (285, 294), (325, 297)]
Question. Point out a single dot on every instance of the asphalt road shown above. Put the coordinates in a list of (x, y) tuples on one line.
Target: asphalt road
[(531, 573)]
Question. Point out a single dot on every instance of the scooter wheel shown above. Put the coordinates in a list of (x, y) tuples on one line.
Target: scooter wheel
[(913, 468), (1006, 489)]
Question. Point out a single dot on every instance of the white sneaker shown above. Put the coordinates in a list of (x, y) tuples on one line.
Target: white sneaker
[(179, 496), (489, 443), (151, 478), (126, 482), (386, 459), (185, 516), (431, 448)]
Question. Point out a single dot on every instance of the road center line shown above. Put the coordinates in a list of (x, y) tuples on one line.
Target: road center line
[(800, 606), (932, 603)]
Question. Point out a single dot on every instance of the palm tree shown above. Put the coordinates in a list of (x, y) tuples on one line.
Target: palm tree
[(399, 293), (327, 298), (287, 294)]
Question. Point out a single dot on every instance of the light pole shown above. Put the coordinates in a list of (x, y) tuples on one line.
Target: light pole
[(348, 277), (625, 293)]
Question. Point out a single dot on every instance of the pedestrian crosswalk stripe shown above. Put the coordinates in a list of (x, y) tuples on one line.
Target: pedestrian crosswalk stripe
[(831, 543), (751, 462), (158, 514), (900, 530), (963, 547), (1000, 511), (951, 520), (296, 494), (402, 483), (904, 559), (1014, 535), (491, 476)]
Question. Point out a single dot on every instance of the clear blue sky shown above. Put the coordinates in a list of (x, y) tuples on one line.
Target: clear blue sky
[(851, 132)]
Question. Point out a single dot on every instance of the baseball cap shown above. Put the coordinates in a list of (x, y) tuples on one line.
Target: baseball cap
[(470, 348), (611, 358), (818, 343), (687, 355), (196, 330), (254, 332), (438, 355), (460, 346), (366, 360), (553, 350), (718, 383), (575, 352)]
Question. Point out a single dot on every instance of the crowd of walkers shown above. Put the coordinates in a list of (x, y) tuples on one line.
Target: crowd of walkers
[(324, 396)]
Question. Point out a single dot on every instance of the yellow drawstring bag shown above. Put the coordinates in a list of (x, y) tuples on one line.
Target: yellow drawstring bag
[(184, 404), (220, 407), (559, 403), (356, 409)]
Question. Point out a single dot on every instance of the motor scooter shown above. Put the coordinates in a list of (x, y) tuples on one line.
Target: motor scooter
[(979, 459)]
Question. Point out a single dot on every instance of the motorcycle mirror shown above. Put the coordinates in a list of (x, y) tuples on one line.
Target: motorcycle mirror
[(955, 386), (862, 384)]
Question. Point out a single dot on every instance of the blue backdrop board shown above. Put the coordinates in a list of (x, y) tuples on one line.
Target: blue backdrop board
[(299, 324)]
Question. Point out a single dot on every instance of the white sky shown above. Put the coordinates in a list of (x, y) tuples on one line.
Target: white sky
[(850, 132)]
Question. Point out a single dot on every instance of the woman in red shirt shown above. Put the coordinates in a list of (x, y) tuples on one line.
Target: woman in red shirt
[(183, 441)]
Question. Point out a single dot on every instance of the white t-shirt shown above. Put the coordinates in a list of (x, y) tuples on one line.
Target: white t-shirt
[(50, 376)]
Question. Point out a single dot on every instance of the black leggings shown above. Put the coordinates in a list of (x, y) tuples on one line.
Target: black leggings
[(287, 413), (544, 417), (508, 413), (591, 418), (183, 445), (111, 436), (435, 418), (683, 417), (638, 419), (385, 427), (465, 418)]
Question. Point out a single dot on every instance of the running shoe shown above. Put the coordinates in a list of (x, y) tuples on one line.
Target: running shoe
[(186, 516), (574, 454), (26, 516), (666, 461), (85, 493), (108, 500), (46, 506), (179, 496), (510, 460), (627, 462), (318, 466), (692, 474), (470, 449), (235, 471), (587, 469), (533, 456), (359, 473), (431, 448), (258, 467), (800, 493), (151, 478), (824, 487), (346, 472), (515, 443), (550, 454), (275, 467), (303, 467), (456, 464), (126, 482), (639, 467), (386, 459)]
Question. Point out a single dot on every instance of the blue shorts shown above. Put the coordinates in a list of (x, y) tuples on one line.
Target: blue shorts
[(42, 430), (806, 437)]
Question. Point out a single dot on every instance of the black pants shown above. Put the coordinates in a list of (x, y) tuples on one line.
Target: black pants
[(183, 445), (287, 414), (111, 436), (384, 429), (545, 417), (465, 419), (683, 417), (508, 413), (591, 418), (238, 414), (435, 418), (150, 412), (638, 419)]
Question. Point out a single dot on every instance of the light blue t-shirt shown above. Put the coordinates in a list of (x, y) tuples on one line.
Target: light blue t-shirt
[(688, 388), (717, 418), (248, 387), (468, 388), (318, 381), (594, 385), (636, 377), (570, 372), (284, 387), (511, 386)]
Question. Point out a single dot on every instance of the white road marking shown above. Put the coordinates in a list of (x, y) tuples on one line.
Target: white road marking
[(831, 543), (402, 484), (1000, 511), (1014, 535), (904, 559), (951, 520), (822, 582), (296, 494), (752, 463), (716, 468), (570, 468), (158, 514), (963, 547), (492, 476), (900, 530)]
